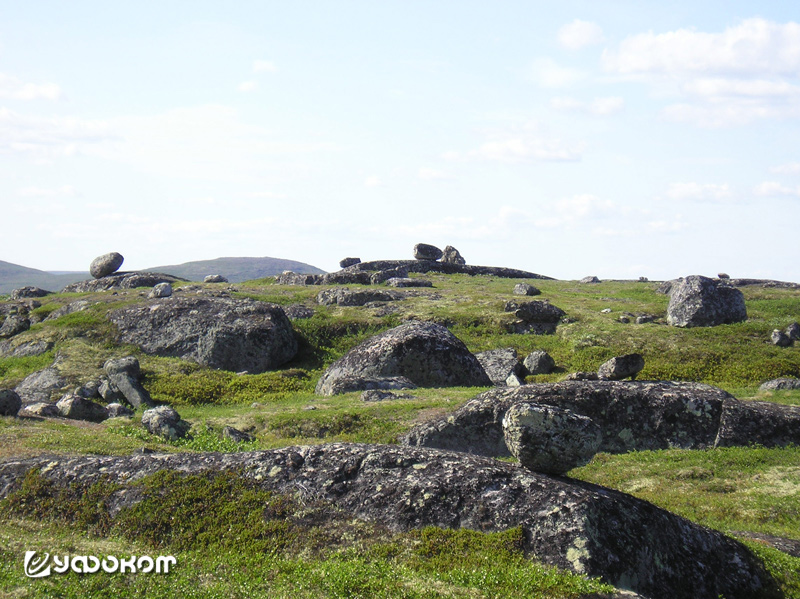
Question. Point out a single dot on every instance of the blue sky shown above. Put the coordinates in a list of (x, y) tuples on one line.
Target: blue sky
[(614, 138)]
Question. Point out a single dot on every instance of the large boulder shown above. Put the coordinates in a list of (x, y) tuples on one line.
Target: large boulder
[(10, 402), (702, 302), (538, 317), (104, 265), (525, 289), (451, 255), (548, 439), (621, 367), (573, 525), (219, 332), (424, 251), (342, 296), (345, 262), (41, 385), (124, 375), (424, 352), (634, 416), (500, 364), (350, 383), (76, 407), (165, 422)]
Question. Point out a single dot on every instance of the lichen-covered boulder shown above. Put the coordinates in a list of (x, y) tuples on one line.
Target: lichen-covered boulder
[(117, 410), (355, 382), (10, 402), (621, 367), (219, 332), (345, 262), (76, 407), (124, 376), (424, 251), (161, 290), (424, 352), (121, 280), (538, 317), (499, 364), (525, 289), (781, 384), (104, 265), (342, 296), (29, 291), (548, 439), (793, 331), (41, 409), (165, 422), (14, 325), (539, 362), (214, 279), (451, 255), (780, 338), (758, 423), (702, 302), (573, 525), (41, 385), (381, 276), (237, 436)]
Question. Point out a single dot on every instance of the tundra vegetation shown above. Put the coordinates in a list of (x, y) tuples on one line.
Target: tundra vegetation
[(234, 540)]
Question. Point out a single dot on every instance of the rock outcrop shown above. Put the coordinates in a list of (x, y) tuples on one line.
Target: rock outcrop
[(104, 265), (702, 302), (121, 280), (573, 525), (426, 353), (342, 296), (633, 416), (14, 325), (76, 407), (548, 439), (219, 332), (781, 384), (356, 382), (345, 262), (41, 385), (29, 291), (408, 282), (451, 255), (424, 251)]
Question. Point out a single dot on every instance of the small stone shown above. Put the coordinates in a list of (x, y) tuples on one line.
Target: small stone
[(107, 264), (161, 290), (539, 362), (548, 439), (525, 289), (643, 279), (605, 311), (582, 376), (624, 319), (345, 262), (117, 410), (215, 279), (381, 395), (645, 318), (793, 331), (41, 409), (621, 367), (780, 338)]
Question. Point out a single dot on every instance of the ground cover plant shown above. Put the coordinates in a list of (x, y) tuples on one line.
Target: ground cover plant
[(735, 490)]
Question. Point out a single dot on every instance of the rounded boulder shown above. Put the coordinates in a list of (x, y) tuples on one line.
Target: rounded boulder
[(107, 264)]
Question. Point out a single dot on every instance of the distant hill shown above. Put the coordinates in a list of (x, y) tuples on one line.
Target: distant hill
[(13, 276), (236, 270)]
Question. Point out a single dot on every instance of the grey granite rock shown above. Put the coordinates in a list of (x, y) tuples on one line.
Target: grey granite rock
[(451, 255), (539, 362), (499, 364), (425, 251), (76, 407), (104, 265), (702, 302), (621, 367), (10, 402), (165, 422)]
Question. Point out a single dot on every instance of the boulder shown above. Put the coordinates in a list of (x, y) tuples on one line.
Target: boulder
[(645, 318), (582, 376), (218, 332), (28, 291), (342, 296), (423, 266), (89, 390), (666, 287), (117, 410), (165, 422), (451, 255), (780, 338), (589, 279), (406, 282), (293, 278), (10, 402), (390, 273), (25, 349), (702, 302), (525, 289), (538, 317), (549, 439), (633, 416), (237, 436), (214, 279), (345, 262), (759, 423), (41, 385), (161, 290), (70, 308), (355, 382), (298, 311), (121, 280), (109, 392), (76, 407), (41, 409), (499, 364), (621, 367), (104, 265), (424, 251), (124, 375), (781, 384), (14, 325), (381, 395), (346, 277), (793, 331), (424, 352), (539, 362), (578, 526)]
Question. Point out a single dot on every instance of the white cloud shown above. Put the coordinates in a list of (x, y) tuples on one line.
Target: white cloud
[(579, 34), (13, 88), (792, 168), (699, 191), (583, 206), (264, 66), (247, 86), (775, 189), (39, 192), (746, 72), (548, 73), (430, 174), (527, 143), (373, 181), (598, 106)]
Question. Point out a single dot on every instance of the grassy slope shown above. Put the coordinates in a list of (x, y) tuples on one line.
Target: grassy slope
[(737, 489)]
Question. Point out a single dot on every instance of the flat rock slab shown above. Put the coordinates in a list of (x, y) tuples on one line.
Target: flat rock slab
[(637, 416), (225, 333), (578, 526), (121, 280), (423, 266)]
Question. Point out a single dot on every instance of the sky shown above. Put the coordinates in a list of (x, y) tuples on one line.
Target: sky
[(618, 138)]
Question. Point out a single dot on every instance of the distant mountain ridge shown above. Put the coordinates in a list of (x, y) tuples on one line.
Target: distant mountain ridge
[(236, 270)]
